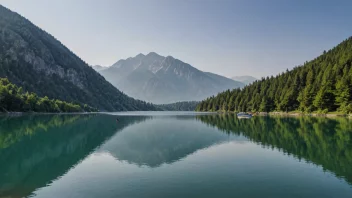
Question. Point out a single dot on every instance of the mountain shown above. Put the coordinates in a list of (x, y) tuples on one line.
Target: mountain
[(98, 68), (244, 79), (160, 79), (321, 85), (36, 61)]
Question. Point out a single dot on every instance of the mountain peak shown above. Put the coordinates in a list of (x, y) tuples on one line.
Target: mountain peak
[(170, 57), (140, 55), (153, 54), (161, 79)]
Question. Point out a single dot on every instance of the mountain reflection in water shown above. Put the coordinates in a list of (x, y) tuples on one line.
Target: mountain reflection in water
[(37, 150)]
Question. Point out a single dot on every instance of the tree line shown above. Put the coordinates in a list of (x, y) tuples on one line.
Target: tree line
[(179, 106), (13, 98), (321, 85)]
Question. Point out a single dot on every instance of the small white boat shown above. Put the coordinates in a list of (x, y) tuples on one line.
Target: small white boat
[(244, 115)]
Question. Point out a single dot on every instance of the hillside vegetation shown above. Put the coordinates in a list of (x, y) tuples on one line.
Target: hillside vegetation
[(179, 106), (35, 60), (13, 98), (323, 85)]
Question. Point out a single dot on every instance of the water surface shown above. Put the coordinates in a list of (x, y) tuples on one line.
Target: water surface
[(174, 155)]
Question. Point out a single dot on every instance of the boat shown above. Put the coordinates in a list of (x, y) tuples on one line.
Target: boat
[(244, 115)]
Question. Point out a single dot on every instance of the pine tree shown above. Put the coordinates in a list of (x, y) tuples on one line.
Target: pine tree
[(323, 84)]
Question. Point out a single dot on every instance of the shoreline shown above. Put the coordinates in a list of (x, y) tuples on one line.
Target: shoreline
[(297, 114), (310, 114), (42, 113), (283, 114)]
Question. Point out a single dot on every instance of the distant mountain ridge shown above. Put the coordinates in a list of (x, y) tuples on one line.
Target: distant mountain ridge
[(158, 79), (98, 68), (35, 60), (244, 79)]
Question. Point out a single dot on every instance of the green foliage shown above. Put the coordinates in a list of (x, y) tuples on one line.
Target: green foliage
[(323, 85), (12, 98), (179, 106)]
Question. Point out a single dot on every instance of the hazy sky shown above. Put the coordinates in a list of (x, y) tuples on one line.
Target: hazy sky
[(238, 37)]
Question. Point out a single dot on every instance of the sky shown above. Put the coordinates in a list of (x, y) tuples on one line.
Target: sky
[(227, 37)]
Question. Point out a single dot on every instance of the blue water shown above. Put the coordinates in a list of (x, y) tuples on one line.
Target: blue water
[(168, 154)]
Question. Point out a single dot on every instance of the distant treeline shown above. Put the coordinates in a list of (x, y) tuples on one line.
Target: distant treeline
[(179, 106), (322, 85), (13, 98)]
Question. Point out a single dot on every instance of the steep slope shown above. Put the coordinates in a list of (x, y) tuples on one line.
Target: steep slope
[(36, 61), (244, 79), (323, 85), (160, 79)]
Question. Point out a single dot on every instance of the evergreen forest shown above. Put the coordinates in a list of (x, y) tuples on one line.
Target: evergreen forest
[(13, 98), (179, 106), (322, 85)]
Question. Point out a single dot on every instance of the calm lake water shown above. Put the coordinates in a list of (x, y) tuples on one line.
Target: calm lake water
[(174, 155)]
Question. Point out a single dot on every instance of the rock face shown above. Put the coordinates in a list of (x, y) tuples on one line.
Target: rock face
[(160, 79), (35, 60)]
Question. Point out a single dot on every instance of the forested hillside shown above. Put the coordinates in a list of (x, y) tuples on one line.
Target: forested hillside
[(323, 85), (179, 106), (13, 98), (36, 61)]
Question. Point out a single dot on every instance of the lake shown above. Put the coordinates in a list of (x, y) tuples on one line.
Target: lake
[(174, 154)]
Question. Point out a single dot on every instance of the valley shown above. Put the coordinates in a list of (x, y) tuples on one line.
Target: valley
[(160, 80)]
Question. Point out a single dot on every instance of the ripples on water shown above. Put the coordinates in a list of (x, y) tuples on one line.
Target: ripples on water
[(174, 155)]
